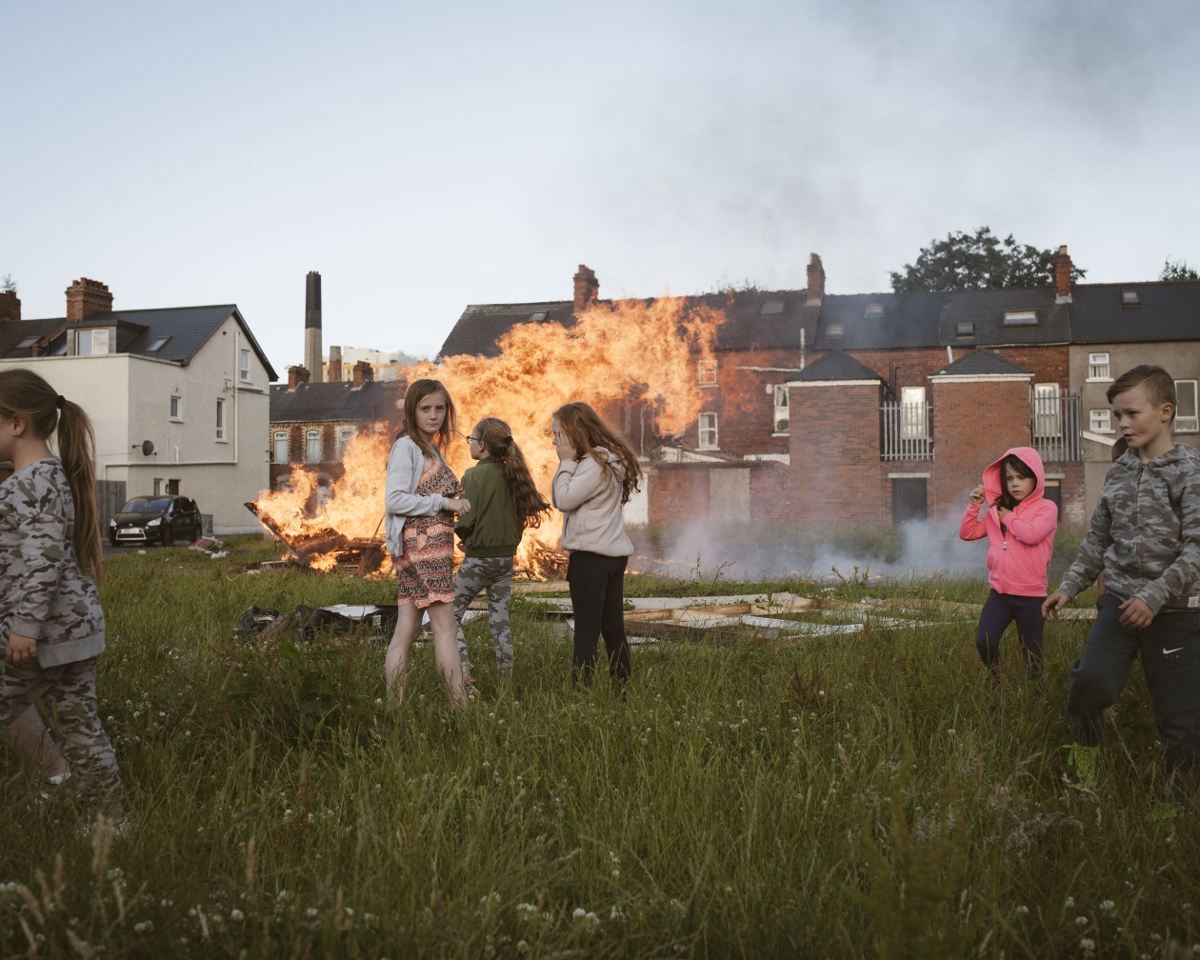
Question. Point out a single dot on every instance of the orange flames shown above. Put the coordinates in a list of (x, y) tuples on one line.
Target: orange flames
[(632, 355)]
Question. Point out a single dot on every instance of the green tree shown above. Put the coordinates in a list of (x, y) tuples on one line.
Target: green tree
[(978, 261), (1178, 270)]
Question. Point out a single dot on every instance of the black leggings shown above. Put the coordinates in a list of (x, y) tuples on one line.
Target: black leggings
[(1002, 609), (598, 601)]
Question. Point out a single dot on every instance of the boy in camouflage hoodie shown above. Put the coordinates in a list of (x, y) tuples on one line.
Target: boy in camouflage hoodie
[(1145, 537)]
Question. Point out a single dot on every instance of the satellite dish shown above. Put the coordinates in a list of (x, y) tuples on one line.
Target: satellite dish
[(147, 448)]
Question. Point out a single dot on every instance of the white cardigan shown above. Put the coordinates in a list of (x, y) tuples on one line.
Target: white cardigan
[(400, 501)]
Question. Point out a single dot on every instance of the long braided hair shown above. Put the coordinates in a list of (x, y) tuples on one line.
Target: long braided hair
[(497, 440)]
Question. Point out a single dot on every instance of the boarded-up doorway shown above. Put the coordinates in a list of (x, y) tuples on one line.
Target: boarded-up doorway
[(729, 495), (909, 499)]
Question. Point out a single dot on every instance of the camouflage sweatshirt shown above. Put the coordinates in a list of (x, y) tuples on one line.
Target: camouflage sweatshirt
[(1145, 532), (43, 593)]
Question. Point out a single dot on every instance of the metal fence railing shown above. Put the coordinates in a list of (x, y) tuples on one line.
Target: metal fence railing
[(905, 432), (1055, 425)]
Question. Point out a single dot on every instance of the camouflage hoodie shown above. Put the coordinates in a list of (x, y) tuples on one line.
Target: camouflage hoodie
[(43, 593), (1145, 532)]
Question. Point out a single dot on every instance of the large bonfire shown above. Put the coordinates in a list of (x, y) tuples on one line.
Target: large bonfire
[(629, 354)]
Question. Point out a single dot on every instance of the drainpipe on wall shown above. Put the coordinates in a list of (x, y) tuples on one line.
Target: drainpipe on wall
[(801, 348)]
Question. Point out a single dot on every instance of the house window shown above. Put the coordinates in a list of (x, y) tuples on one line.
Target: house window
[(1020, 318), (914, 423), (708, 373), (157, 487), (1187, 418), (772, 306), (964, 329), (312, 446), (1046, 419), (157, 345), (874, 311), (1100, 421), (280, 451), (175, 409), (781, 409), (91, 343), (1098, 367), (344, 436), (244, 369), (708, 431), (835, 331), (1130, 298), (220, 419)]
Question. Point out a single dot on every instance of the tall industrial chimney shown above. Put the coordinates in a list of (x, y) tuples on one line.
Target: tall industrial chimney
[(312, 325)]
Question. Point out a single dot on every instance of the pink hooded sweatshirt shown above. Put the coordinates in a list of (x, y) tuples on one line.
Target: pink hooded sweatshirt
[(1017, 557)]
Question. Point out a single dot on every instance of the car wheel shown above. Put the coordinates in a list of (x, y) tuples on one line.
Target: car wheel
[(197, 532)]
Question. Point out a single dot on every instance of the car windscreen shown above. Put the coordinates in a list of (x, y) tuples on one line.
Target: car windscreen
[(146, 506)]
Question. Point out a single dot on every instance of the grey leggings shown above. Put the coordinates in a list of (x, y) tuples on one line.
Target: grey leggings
[(493, 574)]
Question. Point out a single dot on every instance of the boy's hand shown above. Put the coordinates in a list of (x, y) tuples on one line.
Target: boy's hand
[(20, 649), (1052, 604), (1135, 613), (977, 495)]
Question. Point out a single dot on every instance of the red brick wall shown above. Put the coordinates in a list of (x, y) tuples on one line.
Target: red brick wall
[(679, 492), (835, 466)]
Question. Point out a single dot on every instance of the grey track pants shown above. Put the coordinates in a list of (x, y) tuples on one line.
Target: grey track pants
[(493, 574)]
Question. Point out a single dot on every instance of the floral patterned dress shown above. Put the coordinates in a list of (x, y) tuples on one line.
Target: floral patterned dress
[(425, 574)]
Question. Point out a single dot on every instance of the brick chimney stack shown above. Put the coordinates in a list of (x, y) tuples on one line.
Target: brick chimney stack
[(297, 375), (335, 364), (312, 325), (363, 373), (816, 281), (10, 306), (587, 288), (1062, 276), (87, 297)]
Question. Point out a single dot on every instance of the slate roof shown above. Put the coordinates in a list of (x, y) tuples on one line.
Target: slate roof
[(982, 363), (1167, 310), (906, 320), (753, 319), (188, 329), (837, 366), (985, 310), (337, 402)]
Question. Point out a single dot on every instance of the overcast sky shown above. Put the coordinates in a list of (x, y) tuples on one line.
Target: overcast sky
[(427, 156)]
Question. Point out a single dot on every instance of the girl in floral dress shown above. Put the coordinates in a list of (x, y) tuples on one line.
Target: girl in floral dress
[(421, 499)]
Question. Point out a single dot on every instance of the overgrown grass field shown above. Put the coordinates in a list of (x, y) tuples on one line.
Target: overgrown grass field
[(872, 794)]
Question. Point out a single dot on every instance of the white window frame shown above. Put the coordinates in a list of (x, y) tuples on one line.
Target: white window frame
[(311, 436), (158, 482), (914, 424), (175, 408), (1187, 424), (92, 343), (244, 367), (707, 427), (1020, 318), (1047, 419), (706, 372), (221, 420), (782, 411), (344, 436), (1099, 368), (279, 444), (1100, 420)]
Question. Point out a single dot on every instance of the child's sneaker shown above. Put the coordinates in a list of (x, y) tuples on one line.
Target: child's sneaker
[(1081, 765)]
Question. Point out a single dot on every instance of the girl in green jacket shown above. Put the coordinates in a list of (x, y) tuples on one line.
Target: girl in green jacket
[(504, 502)]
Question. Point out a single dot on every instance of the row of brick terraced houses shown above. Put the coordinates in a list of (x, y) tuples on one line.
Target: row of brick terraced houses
[(883, 407)]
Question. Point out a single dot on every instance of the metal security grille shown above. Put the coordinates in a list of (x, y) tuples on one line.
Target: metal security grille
[(1054, 423), (904, 431)]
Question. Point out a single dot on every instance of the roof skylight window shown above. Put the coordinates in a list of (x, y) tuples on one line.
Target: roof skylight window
[(874, 311), (1130, 298), (27, 343), (1020, 318), (158, 344), (966, 329), (835, 331), (772, 306), (537, 317)]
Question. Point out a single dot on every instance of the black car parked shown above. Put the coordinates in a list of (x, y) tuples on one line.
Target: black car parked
[(162, 519)]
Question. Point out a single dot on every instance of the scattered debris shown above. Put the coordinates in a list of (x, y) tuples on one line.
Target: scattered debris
[(257, 624)]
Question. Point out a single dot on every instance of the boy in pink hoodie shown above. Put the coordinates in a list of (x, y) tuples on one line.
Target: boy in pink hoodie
[(1009, 509)]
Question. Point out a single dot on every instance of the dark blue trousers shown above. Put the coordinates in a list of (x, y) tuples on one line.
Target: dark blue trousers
[(1170, 652), (999, 611)]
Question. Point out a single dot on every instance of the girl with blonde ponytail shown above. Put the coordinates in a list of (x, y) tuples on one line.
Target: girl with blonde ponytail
[(51, 623)]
